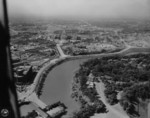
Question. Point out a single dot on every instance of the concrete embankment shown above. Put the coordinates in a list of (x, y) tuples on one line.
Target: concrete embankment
[(49, 66), (42, 74), (41, 78), (45, 70)]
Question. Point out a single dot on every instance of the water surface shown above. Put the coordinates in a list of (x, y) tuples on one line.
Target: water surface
[(58, 85)]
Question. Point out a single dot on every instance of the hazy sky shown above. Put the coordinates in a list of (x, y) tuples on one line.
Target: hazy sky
[(81, 8)]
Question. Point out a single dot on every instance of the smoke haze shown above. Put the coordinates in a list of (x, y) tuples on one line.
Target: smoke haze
[(90, 9)]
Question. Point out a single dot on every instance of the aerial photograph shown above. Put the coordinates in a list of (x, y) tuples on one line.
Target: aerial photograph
[(81, 58)]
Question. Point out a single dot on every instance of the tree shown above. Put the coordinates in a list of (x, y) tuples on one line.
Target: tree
[(78, 38), (32, 114)]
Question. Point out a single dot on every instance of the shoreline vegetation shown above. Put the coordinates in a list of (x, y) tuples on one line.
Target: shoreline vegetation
[(86, 96), (41, 79), (45, 72), (127, 74)]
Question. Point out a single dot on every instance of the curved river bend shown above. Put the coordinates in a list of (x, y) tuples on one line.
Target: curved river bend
[(58, 85), (59, 82)]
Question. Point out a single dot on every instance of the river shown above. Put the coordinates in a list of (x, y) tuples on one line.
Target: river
[(58, 85), (59, 82)]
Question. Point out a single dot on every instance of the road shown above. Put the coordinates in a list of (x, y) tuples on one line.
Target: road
[(60, 51), (116, 114), (24, 96)]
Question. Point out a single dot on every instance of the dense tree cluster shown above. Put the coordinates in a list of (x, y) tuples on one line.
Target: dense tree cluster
[(32, 114), (131, 97), (89, 99), (129, 75), (88, 111)]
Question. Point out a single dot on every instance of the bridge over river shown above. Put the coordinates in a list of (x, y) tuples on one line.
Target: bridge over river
[(40, 104)]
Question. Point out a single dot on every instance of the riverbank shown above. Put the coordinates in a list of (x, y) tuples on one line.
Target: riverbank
[(80, 86), (42, 74), (122, 74), (86, 95), (53, 63)]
